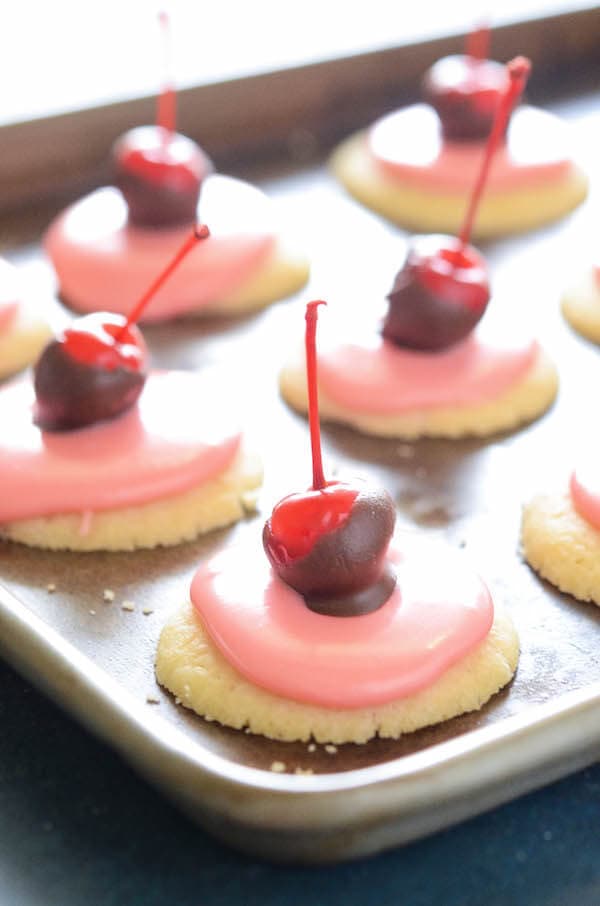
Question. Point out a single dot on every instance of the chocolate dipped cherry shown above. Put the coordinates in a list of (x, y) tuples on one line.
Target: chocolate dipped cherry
[(159, 171), (330, 543), (96, 368), (160, 174), (443, 288), (439, 295), (92, 371), (465, 90)]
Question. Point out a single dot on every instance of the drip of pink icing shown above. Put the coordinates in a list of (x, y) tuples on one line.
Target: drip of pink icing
[(174, 439), (408, 145), (8, 313), (9, 295), (104, 264), (263, 628), (380, 378), (585, 490)]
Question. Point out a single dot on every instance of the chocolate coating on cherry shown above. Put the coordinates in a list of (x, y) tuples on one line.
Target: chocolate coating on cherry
[(160, 174), (465, 92), (345, 573), (438, 296), (95, 370)]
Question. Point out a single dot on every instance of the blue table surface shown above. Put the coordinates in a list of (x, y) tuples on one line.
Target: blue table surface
[(77, 826)]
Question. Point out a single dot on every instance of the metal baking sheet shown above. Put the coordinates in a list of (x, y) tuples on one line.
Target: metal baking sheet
[(97, 659)]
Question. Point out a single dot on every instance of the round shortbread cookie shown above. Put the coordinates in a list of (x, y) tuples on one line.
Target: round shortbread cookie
[(526, 400), (189, 666), (425, 211), (581, 306), (561, 546), (163, 522), (282, 274), (23, 341)]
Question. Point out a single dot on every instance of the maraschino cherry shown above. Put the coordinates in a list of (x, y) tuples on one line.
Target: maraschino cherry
[(465, 90), (159, 171), (443, 289), (330, 543), (96, 368)]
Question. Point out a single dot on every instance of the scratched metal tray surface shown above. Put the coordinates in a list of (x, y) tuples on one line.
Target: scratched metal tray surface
[(97, 659)]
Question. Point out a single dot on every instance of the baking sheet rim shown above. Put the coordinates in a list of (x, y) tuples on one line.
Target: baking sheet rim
[(393, 801)]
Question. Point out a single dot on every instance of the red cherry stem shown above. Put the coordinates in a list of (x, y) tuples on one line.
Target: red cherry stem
[(518, 72), (198, 233), (313, 399), (166, 101), (478, 43)]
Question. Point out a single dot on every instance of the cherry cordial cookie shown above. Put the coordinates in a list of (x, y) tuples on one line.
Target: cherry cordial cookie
[(431, 370), (343, 632), (581, 304), (560, 532), (23, 333), (164, 182), (97, 454), (414, 165)]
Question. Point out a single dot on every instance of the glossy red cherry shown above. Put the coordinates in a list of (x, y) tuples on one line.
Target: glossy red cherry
[(465, 90), (160, 174), (443, 289), (439, 295), (299, 520), (96, 368), (330, 545), (159, 171), (330, 542)]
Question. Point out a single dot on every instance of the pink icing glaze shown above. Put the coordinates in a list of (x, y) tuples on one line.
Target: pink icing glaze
[(262, 626), (103, 264), (9, 295), (174, 439), (585, 490), (408, 146), (379, 378)]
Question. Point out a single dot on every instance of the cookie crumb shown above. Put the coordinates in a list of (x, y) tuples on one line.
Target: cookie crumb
[(147, 611), (278, 767), (303, 771), (128, 605), (247, 730), (51, 588), (152, 700), (312, 747), (405, 451), (108, 595), (85, 523), (330, 749)]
